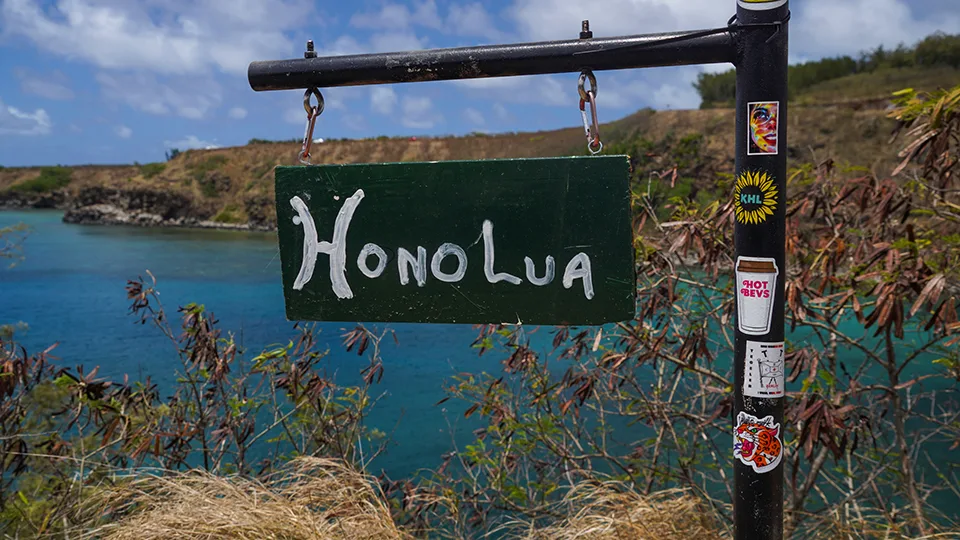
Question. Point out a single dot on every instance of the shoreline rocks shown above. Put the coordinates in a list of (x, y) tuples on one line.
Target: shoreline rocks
[(108, 214), (133, 207)]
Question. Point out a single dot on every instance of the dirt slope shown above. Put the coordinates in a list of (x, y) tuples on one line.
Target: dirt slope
[(234, 186)]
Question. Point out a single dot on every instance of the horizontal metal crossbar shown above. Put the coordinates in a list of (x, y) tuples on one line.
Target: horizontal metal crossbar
[(713, 46)]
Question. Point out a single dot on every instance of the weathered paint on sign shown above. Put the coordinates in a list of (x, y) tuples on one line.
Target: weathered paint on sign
[(539, 241)]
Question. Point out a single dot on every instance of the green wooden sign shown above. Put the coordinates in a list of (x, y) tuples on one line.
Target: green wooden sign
[(539, 241)]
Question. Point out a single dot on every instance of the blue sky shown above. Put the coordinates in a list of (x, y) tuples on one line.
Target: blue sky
[(117, 81)]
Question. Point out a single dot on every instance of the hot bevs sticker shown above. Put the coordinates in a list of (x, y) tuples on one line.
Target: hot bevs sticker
[(756, 291)]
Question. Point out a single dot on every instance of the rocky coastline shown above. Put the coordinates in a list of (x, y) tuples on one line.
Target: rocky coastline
[(108, 214), (137, 207)]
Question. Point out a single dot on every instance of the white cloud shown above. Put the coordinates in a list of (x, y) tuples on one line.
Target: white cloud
[(472, 20), (661, 88), (389, 41), (818, 27), (474, 116), (399, 16), (383, 100), (190, 142), (295, 115), (342, 46), (825, 28), (189, 97), (560, 19), (54, 85), (501, 112), (237, 113), (123, 132), (172, 37), (418, 113), (396, 42), (539, 89), (461, 20), (354, 122), (13, 121)]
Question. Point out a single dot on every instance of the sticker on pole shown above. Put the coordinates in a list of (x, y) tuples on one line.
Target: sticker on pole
[(531, 241), (756, 292), (758, 5), (756, 442), (763, 371), (762, 132), (755, 197)]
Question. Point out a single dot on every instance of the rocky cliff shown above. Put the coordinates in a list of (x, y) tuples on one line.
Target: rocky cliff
[(233, 187)]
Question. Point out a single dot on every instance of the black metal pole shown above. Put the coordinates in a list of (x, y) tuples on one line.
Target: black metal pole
[(759, 237), (569, 56)]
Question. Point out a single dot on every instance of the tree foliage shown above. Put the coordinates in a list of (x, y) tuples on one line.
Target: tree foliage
[(938, 49)]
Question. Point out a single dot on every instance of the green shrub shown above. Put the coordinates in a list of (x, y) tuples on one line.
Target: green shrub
[(50, 178), (936, 50), (262, 170), (207, 187), (212, 163), (152, 169), (229, 214)]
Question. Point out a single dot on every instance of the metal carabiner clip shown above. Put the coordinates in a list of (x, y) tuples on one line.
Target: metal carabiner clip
[(591, 127)]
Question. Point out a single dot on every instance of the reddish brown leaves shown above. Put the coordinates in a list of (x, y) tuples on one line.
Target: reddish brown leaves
[(822, 424)]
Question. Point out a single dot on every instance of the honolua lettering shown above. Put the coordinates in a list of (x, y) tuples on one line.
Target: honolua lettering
[(413, 266)]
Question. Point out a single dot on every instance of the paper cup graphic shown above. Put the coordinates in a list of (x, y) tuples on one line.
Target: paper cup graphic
[(756, 290)]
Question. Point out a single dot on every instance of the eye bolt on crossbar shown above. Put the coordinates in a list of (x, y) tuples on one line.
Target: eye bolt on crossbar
[(755, 42)]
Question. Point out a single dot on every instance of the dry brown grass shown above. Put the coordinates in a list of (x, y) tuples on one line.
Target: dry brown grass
[(314, 499), (321, 499), (608, 511)]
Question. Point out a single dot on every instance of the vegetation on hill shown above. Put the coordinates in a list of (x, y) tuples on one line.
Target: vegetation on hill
[(933, 62), (235, 185), (601, 444), (49, 179)]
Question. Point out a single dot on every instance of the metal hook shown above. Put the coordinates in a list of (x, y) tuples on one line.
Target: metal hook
[(306, 101), (584, 75), (312, 113)]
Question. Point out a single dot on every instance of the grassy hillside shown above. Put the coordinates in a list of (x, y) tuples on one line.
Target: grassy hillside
[(235, 185), (879, 84), (932, 63)]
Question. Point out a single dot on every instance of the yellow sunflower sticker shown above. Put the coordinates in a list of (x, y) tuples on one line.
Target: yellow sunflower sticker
[(755, 197)]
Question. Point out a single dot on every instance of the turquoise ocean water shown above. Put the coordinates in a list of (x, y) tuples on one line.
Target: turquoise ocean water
[(70, 289)]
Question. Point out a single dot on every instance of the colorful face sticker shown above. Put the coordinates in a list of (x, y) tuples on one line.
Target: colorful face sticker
[(762, 128), (756, 291), (763, 370), (756, 442), (757, 5), (755, 197)]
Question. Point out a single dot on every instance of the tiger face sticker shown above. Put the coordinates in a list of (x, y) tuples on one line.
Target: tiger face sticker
[(756, 442)]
